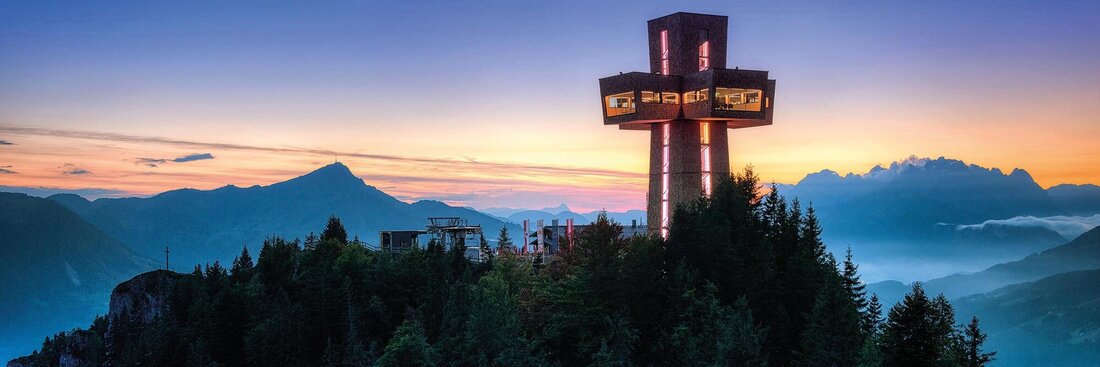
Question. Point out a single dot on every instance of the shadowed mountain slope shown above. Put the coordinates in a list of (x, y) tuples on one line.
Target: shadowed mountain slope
[(56, 270), (1054, 321)]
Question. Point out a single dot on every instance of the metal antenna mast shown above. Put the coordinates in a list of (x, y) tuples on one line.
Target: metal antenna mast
[(166, 252)]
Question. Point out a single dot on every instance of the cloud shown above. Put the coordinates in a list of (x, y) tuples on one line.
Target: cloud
[(150, 162), (72, 169), (5, 171), (413, 177), (480, 166), (193, 157), (154, 162), (5, 142), (1067, 226)]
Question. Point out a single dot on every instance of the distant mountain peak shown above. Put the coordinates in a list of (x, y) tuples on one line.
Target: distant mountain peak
[(430, 203), (912, 160), (915, 164), (1022, 174), (67, 196), (334, 173), (335, 168), (561, 208)]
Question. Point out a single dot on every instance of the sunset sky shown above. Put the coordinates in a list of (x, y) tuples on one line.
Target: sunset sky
[(496, 103)]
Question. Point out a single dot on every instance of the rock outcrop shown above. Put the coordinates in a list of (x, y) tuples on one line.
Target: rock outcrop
[(142, 299)]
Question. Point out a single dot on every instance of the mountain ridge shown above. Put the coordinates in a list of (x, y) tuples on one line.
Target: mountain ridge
[(904, 218), (212, 225), (1082, 253), (1052, 321)]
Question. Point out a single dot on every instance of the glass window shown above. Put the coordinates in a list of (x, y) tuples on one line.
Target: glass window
[(704, 60), (620, 104), (736, 99), (695, 96), (660, 97), (670, 98), (704, 50)]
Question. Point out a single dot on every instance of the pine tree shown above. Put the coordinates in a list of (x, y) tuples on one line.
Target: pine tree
[(872, 316), (856, 288), (618, 345), (710, 334), (242, 266), (973, 338), (911, 336), (334, 230), (834, 335), (947, 337), (486, 253), (408, 347), (810, 235), (774, 211), (504, 242)]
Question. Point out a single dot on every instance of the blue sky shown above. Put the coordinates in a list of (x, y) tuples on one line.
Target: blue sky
[(998, 83)]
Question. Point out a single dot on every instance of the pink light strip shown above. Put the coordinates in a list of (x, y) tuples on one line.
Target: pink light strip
[(704, 156), (664, 52), (665, 138)]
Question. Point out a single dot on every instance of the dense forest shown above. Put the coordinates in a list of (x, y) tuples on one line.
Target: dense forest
[(743, 279)]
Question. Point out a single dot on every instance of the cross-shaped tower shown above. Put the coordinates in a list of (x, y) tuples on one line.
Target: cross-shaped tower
[(686, 102)]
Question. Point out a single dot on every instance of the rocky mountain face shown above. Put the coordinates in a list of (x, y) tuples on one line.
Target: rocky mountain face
[(143, 298)]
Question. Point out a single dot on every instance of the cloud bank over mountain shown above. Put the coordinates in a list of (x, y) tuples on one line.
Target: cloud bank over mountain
[(1067, 226)]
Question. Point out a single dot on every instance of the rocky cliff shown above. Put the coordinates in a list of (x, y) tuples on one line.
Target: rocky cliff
[(142, 300)]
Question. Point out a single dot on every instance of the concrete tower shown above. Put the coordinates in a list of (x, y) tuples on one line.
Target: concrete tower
[(686, 101)]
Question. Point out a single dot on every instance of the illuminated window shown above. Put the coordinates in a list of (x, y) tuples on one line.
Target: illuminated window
[(670, 98), (704, 56), (736, 99), (704, 50), (660, 97), (620, 104), (695, 96)]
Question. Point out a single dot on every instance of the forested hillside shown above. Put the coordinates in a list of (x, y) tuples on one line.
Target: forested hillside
[(743, 280)]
